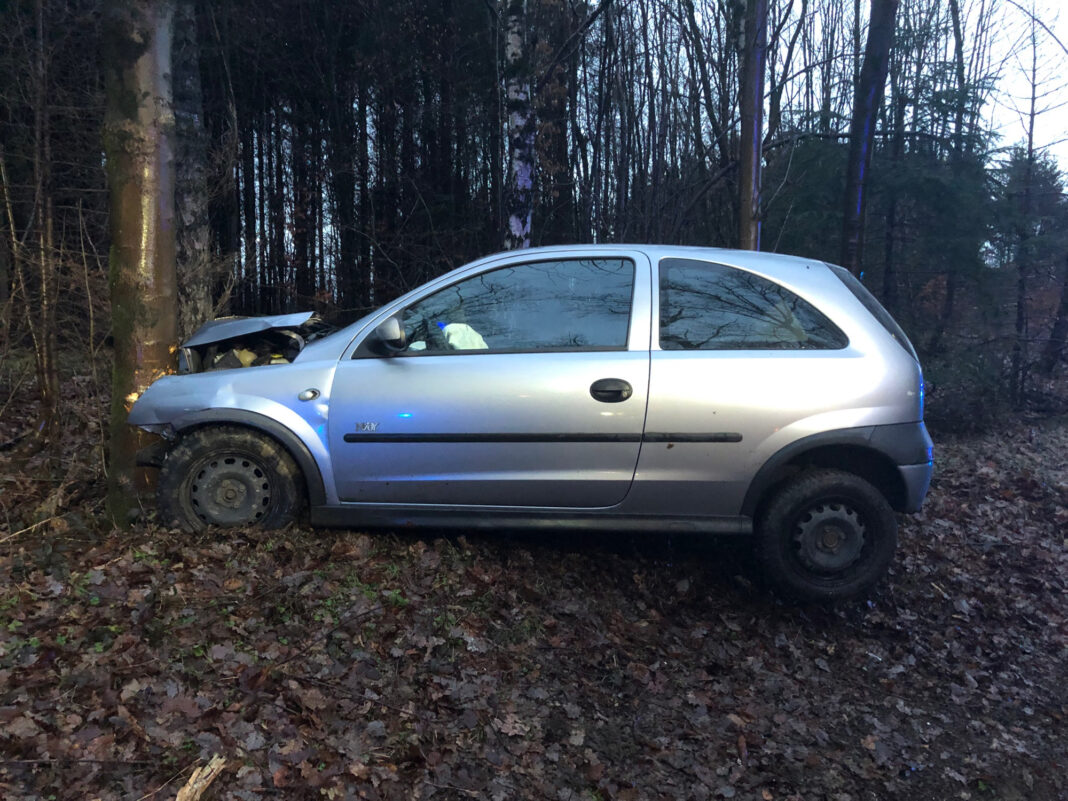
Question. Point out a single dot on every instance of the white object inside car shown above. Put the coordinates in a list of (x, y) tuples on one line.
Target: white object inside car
[(461, 336)]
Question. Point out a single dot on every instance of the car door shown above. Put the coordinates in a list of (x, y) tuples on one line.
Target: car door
[(523, 384)]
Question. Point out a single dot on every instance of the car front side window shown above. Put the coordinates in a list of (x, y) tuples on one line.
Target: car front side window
[(574, 304), (705, 306)]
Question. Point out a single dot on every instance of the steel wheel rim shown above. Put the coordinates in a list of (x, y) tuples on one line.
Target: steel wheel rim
[(829, 538), (229, 489)]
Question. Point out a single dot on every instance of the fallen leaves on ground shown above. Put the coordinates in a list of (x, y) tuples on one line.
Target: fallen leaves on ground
[(325, 664)]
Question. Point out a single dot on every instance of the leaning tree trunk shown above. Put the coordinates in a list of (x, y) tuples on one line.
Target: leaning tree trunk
[(519, 196), (139, 146), (752, 114), (868, 97)]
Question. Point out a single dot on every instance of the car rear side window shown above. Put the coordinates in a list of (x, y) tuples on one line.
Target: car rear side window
[(574, 304), (861, 293), (705, 306)]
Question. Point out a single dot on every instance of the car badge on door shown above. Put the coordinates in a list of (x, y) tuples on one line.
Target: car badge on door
[(367, 428)]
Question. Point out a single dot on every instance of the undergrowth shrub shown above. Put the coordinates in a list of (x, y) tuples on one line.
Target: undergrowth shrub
[(967, 390)]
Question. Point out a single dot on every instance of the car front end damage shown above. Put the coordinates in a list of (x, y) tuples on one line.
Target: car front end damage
[(233, 342), (215, 382)]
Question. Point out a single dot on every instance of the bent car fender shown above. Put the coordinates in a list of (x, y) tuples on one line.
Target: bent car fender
[(298, 449)]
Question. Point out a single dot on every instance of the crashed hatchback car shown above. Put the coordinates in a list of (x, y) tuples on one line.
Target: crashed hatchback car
[(620, 388)]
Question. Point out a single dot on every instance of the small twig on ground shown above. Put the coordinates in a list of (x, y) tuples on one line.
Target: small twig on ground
[(153, 793), (201, 779), (940, 590), (29, 528)]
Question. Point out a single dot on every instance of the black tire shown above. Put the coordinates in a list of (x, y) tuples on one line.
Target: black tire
[(826, 535), (228, 476)]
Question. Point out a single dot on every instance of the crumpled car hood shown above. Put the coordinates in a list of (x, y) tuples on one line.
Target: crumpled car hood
[(233, 327)]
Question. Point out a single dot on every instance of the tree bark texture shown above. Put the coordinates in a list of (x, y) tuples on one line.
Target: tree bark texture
[(139, 146), (752, 116), (866, 102)]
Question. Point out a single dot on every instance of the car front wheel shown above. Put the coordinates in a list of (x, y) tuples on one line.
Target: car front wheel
[(228, 476), (826, 534)]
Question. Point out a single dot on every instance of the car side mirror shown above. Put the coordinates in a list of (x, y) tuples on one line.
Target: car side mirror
[(389, 335)]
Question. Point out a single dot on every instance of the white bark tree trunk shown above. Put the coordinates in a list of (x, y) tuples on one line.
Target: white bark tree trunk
[(519, 196)]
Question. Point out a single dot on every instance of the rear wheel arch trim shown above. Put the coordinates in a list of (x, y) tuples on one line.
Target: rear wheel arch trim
[(766, 477), (313, 477)]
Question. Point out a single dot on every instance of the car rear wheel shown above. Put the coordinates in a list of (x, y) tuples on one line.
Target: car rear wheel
[(826, 534), (228, 476)]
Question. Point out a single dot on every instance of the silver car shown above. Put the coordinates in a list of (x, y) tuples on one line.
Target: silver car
[(623, 388)]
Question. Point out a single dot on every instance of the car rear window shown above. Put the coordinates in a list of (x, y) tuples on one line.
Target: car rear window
[(706, 306), (875, 307)]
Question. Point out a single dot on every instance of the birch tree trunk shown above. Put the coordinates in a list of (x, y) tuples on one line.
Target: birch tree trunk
[(752, 114), (866, 102), (519, 196), (139, 147)]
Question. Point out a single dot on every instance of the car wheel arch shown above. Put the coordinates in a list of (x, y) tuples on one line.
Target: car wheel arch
[(848, 450), (266, 426)]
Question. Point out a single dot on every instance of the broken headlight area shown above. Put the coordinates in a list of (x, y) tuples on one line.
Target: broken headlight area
[(233, 342)]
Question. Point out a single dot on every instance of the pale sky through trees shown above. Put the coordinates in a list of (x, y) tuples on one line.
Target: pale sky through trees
[(1008, 110)]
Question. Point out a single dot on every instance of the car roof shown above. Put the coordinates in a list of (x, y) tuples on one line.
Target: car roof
[(772, 264), (727, 255)]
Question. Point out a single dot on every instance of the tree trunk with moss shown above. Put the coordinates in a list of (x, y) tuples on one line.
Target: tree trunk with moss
[(139, 146)]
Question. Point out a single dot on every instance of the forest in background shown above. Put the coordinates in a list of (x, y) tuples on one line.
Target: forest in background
[(331, 155), (334, 155)]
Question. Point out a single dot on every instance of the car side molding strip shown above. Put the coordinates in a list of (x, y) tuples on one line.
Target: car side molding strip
[(720, 436), (361, 437)]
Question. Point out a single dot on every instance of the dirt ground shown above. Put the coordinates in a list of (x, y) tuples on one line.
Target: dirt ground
[(338, 664)]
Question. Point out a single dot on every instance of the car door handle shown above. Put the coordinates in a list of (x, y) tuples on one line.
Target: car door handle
[(611, 390)]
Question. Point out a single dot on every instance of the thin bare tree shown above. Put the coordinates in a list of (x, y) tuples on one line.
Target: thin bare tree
[(754, 67), (867, 99)]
